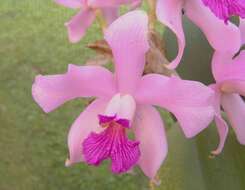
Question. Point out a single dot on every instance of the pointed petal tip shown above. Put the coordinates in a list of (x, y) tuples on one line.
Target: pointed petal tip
[(37, 94), (68, 163), (215, 152), (126, 23)]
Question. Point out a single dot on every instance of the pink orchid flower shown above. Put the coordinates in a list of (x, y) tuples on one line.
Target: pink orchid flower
[(229, 74), (78, 25), (222, 37), (224, 9), (124, 103)]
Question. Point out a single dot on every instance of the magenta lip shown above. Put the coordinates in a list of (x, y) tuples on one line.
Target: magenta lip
[(106, 119), (112, 143), (123, 122)]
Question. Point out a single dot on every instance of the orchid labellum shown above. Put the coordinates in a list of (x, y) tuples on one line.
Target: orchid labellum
[(124, 103), (224, 9)]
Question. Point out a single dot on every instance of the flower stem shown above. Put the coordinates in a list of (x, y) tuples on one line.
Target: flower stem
[(152, 13), (100, 19)]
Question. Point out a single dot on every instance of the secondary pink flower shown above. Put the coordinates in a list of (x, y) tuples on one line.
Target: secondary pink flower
[(224, 9), (124, 103), (229, 74), (169, 12), (78, 25)]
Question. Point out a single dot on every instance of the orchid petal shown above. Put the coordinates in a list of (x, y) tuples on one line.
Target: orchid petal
[(86, 123), (234, 106), (169, 12), (149, 131), (226, 68), (78, 25), (189, 101), (221, 124), (127, 37), (53, 90), (74, 4), (217, 33), (223, 129), (242, 29), (110, 14)]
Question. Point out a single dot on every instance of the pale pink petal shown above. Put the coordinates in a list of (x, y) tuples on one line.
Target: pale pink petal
[(51, 91), (224, 67), (242, 29), (78, 25), (223, 129), (86, 123), (150, 132), (222, 37), (127, 37), (221, 124), (110, 14), (74, 4), (234, 107), (169, 12), (191, 102)]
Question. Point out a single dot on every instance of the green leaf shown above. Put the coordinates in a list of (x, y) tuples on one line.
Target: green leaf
[(189, 165)]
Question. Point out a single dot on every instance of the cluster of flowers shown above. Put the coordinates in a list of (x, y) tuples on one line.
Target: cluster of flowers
[(125, 99)]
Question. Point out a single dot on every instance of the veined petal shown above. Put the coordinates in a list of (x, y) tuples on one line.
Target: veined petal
[(78, 25), (51, 91), (74, 4), (234, 106), (110, 14), (111, 143), (225, 9), (225, 68), (242, 29), (169, 12), (217, 33), (86, 123), (191, 102), (127, 37), (150, 132)]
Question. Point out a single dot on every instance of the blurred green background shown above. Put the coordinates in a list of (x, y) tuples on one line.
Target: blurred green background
[(33, 40)]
